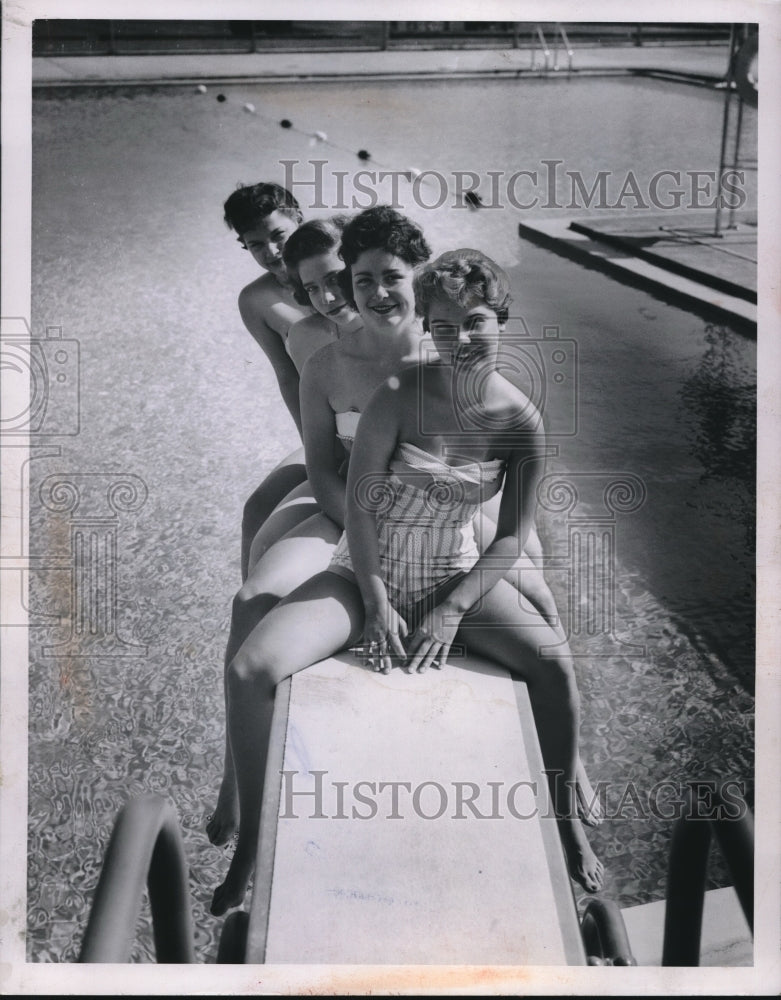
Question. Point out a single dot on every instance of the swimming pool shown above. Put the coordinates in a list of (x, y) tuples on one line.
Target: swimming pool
[(131, 258)]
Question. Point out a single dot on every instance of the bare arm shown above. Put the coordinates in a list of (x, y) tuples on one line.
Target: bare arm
[(431, 643), (516, 519), (367, 488), (321, 446), (274, 348)]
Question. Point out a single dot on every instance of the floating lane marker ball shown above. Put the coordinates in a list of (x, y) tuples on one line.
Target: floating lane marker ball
[(320, 136), (473, 200), (221, 98), (201, 88), (250, 107), (364, 154), (285, 123), (412, 173)]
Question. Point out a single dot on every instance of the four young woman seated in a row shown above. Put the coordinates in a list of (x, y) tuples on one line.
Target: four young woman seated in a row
[(423, 461)]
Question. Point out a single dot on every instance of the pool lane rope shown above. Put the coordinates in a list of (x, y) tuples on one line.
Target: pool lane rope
[(321, 138)]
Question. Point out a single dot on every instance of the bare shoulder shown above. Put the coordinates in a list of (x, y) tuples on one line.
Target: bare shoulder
[(321, 364), (264, 290), (401, 390), (265, 300), (515, 406), (308, 337)]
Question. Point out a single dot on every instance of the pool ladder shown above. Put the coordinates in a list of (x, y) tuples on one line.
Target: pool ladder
[(146, 847), (560, 41)]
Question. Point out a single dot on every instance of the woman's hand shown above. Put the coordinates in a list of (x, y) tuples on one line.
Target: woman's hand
[(432, 639), (383, 634)]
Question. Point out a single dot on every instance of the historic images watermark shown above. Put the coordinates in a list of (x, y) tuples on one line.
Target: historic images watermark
[(546, 185), (315, 795)]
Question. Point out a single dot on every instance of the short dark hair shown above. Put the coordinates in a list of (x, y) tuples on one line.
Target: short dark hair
[(310, 240), (464, 276), (250, 204), (380, 228)]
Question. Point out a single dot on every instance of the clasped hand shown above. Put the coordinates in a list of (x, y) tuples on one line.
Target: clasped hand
[(429, 645)]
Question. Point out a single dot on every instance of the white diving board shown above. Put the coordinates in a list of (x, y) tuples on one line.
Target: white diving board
[(347, 876)]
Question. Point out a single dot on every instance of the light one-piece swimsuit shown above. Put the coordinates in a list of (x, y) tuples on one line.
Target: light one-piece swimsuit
[(424, 511)]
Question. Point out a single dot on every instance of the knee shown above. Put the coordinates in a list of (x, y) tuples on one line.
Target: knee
[(243, 597), (247, 671)]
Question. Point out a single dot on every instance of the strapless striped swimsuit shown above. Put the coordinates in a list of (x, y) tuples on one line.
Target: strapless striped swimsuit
[(425, 522)]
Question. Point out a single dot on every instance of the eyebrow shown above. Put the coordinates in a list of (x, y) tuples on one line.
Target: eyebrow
[(388, 270)]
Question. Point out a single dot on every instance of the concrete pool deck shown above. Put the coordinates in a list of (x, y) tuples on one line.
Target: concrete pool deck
[(705, 64), (679, 258)]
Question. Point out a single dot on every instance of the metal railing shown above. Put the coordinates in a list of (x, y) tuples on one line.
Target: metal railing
[(604, 934), (707, 811), (145, 848), (82, 36), (741, 83)]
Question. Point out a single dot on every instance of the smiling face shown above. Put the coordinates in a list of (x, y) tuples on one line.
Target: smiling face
[(464, 334), (266, 240), (319, 275), (383, 291)]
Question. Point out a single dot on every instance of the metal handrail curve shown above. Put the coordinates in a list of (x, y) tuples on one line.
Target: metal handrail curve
[(561, 33), (729, 818), (145, 847), (604, 934)]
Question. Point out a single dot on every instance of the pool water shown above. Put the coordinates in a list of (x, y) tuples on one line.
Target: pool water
[(132, 259)]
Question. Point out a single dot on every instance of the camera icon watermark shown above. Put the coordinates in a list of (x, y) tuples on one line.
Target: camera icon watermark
[(544, 368), (40, 381)]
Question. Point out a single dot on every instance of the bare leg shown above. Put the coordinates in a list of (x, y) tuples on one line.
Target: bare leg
[(502, 630), (297, 557), (293, 509), (490, 513), (526, 576), (278, 483), (320, 618), (589, 806)]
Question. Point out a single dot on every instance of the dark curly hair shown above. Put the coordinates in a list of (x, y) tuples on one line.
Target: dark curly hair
[(464, 276), (250, 204), (310, 240), (380, 228)]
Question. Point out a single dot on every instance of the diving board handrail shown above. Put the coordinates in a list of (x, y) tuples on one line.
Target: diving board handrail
[(543, 45), (604, 934), (701, 818), (562, 34), (145, 848)]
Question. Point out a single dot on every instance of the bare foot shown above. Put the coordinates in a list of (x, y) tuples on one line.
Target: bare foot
[(233, 890), (584, 866), (589, 806), (222, 825)]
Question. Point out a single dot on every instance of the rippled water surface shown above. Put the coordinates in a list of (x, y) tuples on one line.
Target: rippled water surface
[(131, 258)]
